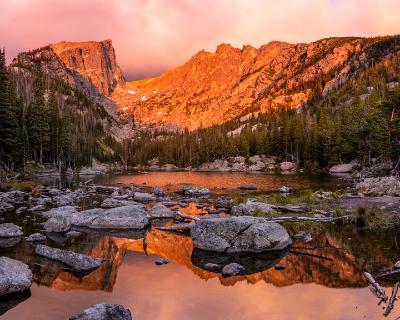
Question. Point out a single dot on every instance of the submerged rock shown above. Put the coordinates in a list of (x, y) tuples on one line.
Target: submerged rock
[(161, 261), (77, 261), (160, 211), (10, 230), (15, 276), (104, 311), (248, 187), (239, 234), (122, 218), (232, 269)]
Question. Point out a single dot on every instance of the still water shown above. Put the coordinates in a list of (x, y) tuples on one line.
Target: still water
[(322, 279)]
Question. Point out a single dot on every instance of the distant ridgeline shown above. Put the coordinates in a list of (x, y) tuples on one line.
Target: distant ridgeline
[(338, 100)]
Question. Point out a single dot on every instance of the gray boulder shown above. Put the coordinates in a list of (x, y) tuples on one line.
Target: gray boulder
[(58, 223), (104, 311), (232, 269), (144, 197), (195, 191), (160, 211), (239, 234), (10, 230), (343, 167), (250, 207), (63, 211), (15, 276), (115, 203), (77, 261), (223, 202), (35, 237), (6, 207), (122, 218)]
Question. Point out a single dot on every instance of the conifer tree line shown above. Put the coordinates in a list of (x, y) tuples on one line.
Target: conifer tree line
[(44, 121), (358, 122)]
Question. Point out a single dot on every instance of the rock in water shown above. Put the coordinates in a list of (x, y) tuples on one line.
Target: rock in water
[(160, 211), (35, 237), (122, 218), (115, 203), (104, 311), (285, 189), (10, 230), (239, 234), (57, 224), (77, 261), (232, 269), (15, 276)]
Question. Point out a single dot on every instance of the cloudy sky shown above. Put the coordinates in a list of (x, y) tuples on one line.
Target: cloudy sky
[(151, 36)]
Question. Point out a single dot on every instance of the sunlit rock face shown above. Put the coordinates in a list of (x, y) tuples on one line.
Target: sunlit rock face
[(95, 61), (214, 87)]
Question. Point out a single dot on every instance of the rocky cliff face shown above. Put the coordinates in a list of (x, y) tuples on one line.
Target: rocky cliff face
[(212, 88), (95, 61)]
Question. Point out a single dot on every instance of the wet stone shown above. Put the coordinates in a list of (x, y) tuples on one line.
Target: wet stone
[(232, 269), (104, 312)]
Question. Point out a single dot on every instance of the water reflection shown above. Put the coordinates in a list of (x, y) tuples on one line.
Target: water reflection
[(335, 259)]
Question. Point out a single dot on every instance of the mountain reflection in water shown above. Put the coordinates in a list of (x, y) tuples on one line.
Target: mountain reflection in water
[(186, 290)]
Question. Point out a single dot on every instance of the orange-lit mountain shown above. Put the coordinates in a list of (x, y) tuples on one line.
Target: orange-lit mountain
[(212, 88)]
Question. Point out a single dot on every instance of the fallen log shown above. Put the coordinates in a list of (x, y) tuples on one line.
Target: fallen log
[(178, 227), (186, 216), (306, 219), (287, 208), (392, 299), (377, 289)]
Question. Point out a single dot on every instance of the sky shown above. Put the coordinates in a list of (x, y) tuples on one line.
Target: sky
[(151, 36)]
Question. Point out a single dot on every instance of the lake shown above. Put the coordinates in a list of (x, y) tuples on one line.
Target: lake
[(321, 279)]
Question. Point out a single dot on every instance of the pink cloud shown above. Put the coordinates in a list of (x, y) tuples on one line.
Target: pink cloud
[(151, 36)]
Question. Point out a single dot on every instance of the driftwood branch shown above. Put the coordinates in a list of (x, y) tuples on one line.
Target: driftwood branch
[(377, 289), (186, 216), (392, 300), (306, 219), (287, 208), (178, 227)]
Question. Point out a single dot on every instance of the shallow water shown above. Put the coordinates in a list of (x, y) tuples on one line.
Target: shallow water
[(322, 279)]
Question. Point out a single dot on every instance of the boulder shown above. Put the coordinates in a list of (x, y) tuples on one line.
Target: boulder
[(223, 202), (144, 197), (57, 223), (287, 166), (239, 166), (258, 166), (10, 230), (239, 234), (121, 218), (79, 262), (115, 203), (104, 311), (343, 168), (232, 269), (158, 192), (169, 167), (63, 211), (6, 207), (160, 211), (389, 186), (13, 197), (36, 237), (15, 276), (195, 191), (285, 189), (250, 207)]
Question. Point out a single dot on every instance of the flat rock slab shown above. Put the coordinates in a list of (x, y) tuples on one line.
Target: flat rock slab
[(77, 261), (104, 312), (10, 230), (239, 234), (15, 276), (131, 217)]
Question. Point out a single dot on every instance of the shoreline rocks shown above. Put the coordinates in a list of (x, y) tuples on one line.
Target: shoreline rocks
[(384, 186), (343, 167), (15, 276), (10, 230)]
